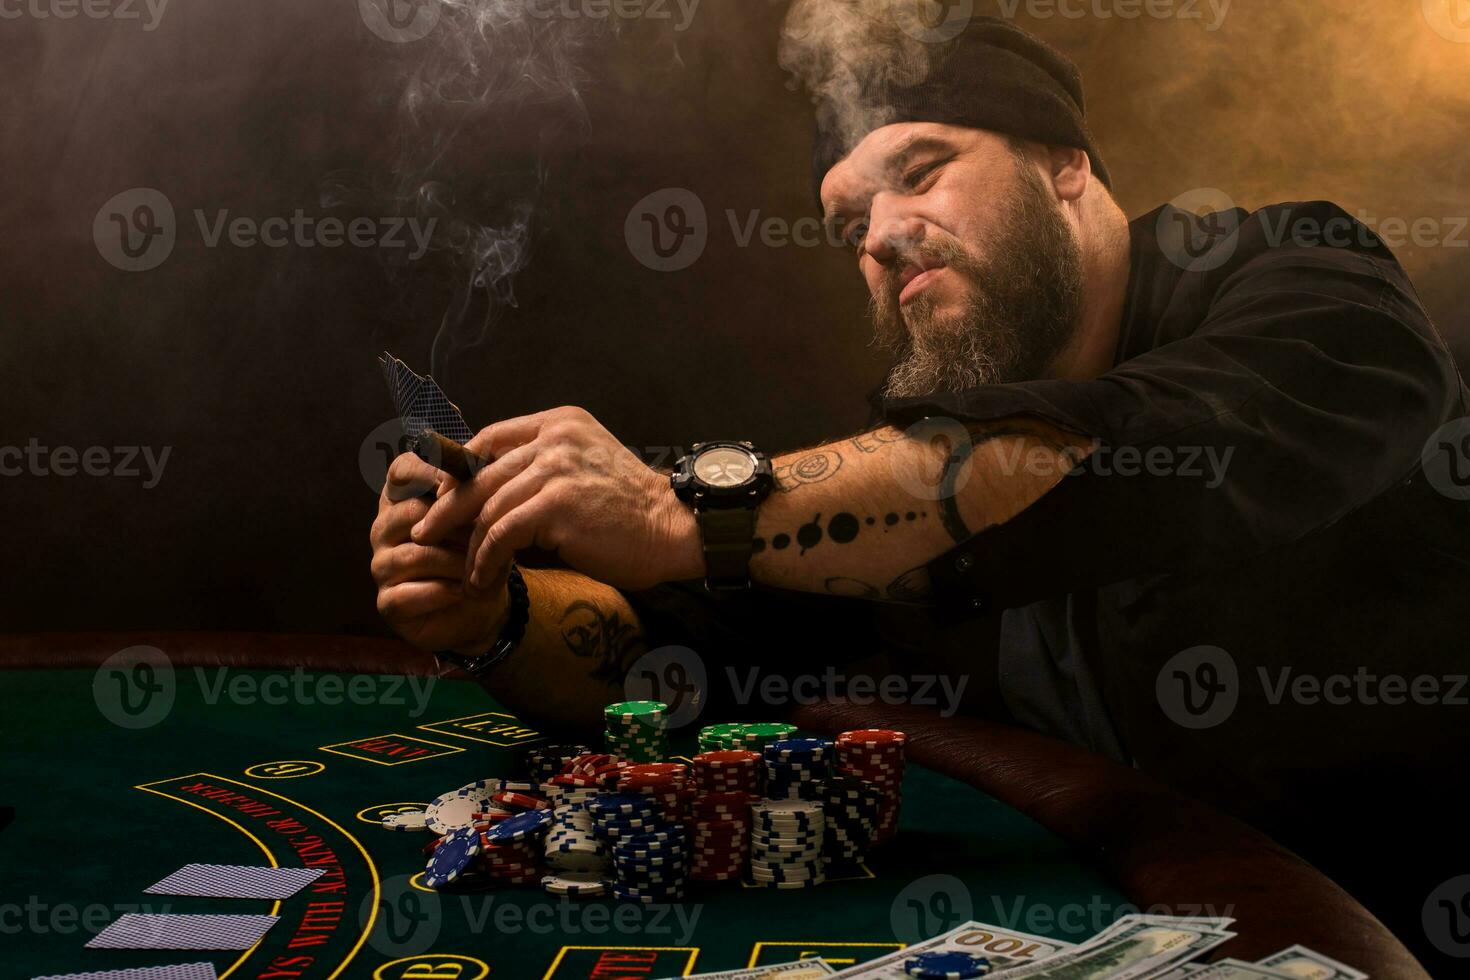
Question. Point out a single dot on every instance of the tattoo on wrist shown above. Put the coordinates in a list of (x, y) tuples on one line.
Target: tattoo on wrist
[(844, 527), (602, 637)]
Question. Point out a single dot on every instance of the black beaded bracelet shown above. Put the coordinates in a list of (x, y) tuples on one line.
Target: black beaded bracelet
[(510, 634)]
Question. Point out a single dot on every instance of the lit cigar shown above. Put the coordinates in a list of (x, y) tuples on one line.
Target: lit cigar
[(445, 454)]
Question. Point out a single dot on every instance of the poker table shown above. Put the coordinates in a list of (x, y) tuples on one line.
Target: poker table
[(123, 764)]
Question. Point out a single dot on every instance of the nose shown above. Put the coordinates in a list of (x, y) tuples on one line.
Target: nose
[(890, 233)]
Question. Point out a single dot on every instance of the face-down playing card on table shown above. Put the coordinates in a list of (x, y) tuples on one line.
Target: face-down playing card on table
[(235, 881), (136, 930), (175, 971)]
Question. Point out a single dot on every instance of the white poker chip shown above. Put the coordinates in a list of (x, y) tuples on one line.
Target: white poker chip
[(457, 809), (577, 884), (412, 820)]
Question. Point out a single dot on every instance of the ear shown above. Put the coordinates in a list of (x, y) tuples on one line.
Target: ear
[(1071, 171)]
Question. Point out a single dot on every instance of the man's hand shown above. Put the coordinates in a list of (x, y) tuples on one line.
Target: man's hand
[(421, 587), (560, 481)]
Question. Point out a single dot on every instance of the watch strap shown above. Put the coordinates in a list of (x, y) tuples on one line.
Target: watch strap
[(728, 535)]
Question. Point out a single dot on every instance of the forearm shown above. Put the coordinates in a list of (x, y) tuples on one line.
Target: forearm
[(863, 516), (581, 638)]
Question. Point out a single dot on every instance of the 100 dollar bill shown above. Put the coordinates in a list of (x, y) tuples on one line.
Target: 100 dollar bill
[(796, 970), (1002, 947), (1135, 947), (1301, 963)]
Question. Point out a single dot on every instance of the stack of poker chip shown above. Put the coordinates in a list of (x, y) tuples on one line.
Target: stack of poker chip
[(624, 814), (650, 854), (512, 852), (876, 755), (637, 730), (507, 852), (720, 832), (652, 866), (596, 768), (728, 771), (796, 767), (751, 736), (545, 761), (946, 965), (786, 840), (668, 783), (851, 808), (580, 863)]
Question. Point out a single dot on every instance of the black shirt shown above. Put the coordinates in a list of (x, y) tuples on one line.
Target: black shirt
[(1289, 347)]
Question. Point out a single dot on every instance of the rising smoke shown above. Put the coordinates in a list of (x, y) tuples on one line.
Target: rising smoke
[(483, 99), (843, 51)]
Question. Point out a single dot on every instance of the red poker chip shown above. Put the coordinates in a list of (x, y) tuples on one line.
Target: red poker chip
[(872, 737), (658, 769), (523, 800), (726, 757), (731, 798)]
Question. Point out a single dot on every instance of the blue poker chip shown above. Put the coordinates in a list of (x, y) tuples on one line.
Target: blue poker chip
[(630, 803), (519, 827), (454, 855), (630, 893), (646, 859), (955, 965), (787, 747), (661, 872), (671, 836)]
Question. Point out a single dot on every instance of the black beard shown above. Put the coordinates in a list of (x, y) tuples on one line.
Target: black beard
[(1024, 308)]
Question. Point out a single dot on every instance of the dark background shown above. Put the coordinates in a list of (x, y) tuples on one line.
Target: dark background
[(256, 366)]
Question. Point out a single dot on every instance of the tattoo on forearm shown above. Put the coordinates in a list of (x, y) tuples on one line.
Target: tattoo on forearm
[(602, 637), (805, 470), (911, 586), (843, 527), (871, 442)]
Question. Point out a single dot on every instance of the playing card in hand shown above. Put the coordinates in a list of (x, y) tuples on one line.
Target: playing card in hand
[(422, 404)]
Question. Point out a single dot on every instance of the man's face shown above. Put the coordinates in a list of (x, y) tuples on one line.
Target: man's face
[(975, 274)]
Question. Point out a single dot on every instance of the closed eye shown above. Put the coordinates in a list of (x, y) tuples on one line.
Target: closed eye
[(913, 178)]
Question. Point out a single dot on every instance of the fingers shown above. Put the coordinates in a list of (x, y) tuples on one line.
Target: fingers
[(408, 477), (408, 600), (459, 505), (520, 489), (408, 561), (497, 439), (395, 520), (526, 526)]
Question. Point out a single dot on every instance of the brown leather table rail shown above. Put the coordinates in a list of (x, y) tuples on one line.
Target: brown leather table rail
[(1159, 847)]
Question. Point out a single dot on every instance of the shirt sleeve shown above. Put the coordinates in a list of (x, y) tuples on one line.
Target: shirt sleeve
[(1280, 392)]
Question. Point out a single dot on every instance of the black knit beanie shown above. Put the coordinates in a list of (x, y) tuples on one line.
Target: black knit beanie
[(993, 76)]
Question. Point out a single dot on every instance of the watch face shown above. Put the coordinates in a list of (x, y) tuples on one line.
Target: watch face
[(724, 467)]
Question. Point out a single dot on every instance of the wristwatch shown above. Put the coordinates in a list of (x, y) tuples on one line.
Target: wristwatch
[(510, 633), (724, 482)]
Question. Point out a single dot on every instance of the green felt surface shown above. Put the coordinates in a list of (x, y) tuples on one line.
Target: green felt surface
[(87, 840)]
